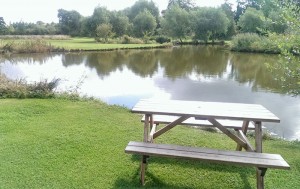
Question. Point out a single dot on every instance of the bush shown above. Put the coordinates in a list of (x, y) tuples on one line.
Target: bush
[(36, 45), (251, 42), (21, 89), (162, 39), (243, 42), (131, 40)]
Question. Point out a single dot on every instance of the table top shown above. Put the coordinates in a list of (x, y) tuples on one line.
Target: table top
[(205, 110)]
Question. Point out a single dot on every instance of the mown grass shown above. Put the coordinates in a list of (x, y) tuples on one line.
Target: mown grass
[(91, 44), (38, 44), (59, 143)]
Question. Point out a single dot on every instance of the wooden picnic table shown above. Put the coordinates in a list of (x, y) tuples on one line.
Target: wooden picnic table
[(213, 112)]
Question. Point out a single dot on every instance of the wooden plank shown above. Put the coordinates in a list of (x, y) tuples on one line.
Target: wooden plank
[(210, 155), (249, 148), (231, 124), (218, 110), (151, 138), (169, 126), (146, 127), (237, 139)]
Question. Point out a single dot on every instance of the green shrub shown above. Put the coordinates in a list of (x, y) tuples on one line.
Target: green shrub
[(21, 89), (243, 42), (251, 42), (162, 39), (36, 45), (131, 40)]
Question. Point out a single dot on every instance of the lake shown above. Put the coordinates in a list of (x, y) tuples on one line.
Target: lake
[(203, 73)]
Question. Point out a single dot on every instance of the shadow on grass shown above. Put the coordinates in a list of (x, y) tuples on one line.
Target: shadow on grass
[(244, 172)]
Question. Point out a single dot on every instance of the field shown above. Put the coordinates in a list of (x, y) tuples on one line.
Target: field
[(62, 143)]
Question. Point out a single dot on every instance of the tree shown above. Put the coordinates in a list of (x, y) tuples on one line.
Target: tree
[(275, 22), (184, 4), (142, 5), (242, 5), (176, 22), (69, 22), (3, 27), (103, 31), (231, 30), (252, 21), (120, 23), (208, 23), (100, 16), (144, 24)]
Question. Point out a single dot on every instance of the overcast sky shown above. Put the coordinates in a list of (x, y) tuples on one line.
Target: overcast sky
[(46, 10)]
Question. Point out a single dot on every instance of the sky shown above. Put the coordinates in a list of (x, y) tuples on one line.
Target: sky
[(46, 10)]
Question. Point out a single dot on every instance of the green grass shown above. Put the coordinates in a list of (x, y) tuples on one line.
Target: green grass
[(91, 44), (57, 143)]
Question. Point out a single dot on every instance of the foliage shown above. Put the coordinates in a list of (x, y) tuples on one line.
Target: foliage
[(183, 4), (103, 32), (209, 23), (231, 30), (252, 42), (252, 21), (32, 45), (120, 23), (69, 22), (131, 40), (142, 5), (176, 22), (276, 23), (144, 23), (100, 16), (162, 39), (22, 89), (3, 28), (289, 45)]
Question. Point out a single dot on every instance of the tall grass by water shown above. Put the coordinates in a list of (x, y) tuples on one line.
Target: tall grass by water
[(59, 143), (20, 88)]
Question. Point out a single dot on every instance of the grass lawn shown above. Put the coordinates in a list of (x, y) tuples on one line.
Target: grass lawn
[(90, 44), (56, 143)]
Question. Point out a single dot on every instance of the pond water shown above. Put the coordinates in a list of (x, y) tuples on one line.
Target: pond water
[(204, 73)]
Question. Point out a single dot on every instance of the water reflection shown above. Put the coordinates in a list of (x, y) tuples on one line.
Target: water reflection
[(207, 73)]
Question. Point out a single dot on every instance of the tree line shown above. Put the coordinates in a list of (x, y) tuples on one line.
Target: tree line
[(181, 20)]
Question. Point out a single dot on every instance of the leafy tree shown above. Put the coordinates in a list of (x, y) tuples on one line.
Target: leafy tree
[(276, 23), (252, 21), (120, 23), (69, 22), (141, 5), (242, 5), (184, 4), (103, 31), (144, 24), (3, 28), (100, 16), (208, 23), (176, 22), (231, 30)]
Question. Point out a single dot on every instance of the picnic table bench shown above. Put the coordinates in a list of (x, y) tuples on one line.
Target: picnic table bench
[(214, 114)]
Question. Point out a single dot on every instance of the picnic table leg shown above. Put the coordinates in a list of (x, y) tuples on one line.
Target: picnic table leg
[(244, 130), (148, 119), (258, 147)]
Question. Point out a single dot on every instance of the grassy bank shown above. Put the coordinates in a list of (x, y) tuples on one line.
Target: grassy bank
[(89, 44), (56, 143), (39, 45)]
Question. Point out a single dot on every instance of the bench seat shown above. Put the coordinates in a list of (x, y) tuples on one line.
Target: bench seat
[(232, 124), (260, 160)]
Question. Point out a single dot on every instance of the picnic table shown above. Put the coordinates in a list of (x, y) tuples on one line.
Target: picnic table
[(223, 116)]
